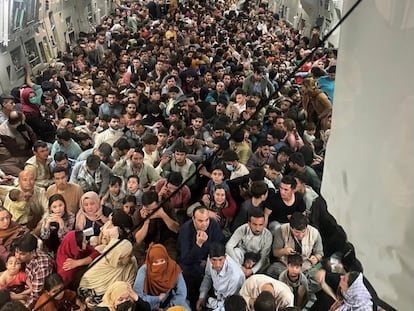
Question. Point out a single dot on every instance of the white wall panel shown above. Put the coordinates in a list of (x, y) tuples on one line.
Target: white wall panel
[(369, 173)]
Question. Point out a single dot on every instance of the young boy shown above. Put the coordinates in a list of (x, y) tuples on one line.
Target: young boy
[(296, 280), (309, 133), (217, 179), (114, 196), (80, 119), (132, 188)]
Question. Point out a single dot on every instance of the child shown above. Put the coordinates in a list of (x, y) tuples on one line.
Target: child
[(129, 202), (309, 133), (63, 300), (15, 280), (296, 280), (113, 198), (132, 187), (80, 119), (15, 203), (216, 179)]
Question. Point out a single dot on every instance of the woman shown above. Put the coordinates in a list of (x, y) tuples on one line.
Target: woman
[(160, 281), (316, 104), (59, 222), (355, 296), (120, 296), (9, 231), (73, 255), (91, 214), (292, 137), (30, 105), (116, 265), (220, 209)]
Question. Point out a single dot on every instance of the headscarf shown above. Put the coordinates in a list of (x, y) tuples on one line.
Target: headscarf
[(112, 294), (161, 278), (8, 235), (357, 297), (81, 216), (69, 248), (108, 270), (27, 106)]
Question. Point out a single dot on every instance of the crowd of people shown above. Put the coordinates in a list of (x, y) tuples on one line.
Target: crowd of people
[(172, 160)]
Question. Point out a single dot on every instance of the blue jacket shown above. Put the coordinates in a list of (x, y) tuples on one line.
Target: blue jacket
[(190, 254)]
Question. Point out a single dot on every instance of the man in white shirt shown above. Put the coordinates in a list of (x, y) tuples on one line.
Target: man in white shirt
[(222, 274), (111, 134), (259, 283), (233, 165), (253, 238)]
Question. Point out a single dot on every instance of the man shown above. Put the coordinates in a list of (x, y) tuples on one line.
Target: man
[(297, 164), (233, 165), (111, 106), (39, 164), (249, 242), (274, 173), (200, 132), (162, 136), (194, 239), (179, 163), (259, 283), (17, 140), (151, 154), (292, 238), (136, 133), (156, 224), (171, 82), (223, 275), (180, 200), (38, 266), (213, 97), (91, 175), (327, 83), (7, 105), (258, 82), (133, 164), (262, 156), (265, 302), (194, 148), (234, 110), (76, 108), (37, 204), (309, 195), (104, 152), (296, 280), (72, 193), (65, 143), (61, 159), (237, 169), (279, 123), (111, 134), (285, 203), (259, 192)]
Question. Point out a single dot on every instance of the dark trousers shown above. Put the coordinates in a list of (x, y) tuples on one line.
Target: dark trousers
[(193, 282)]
